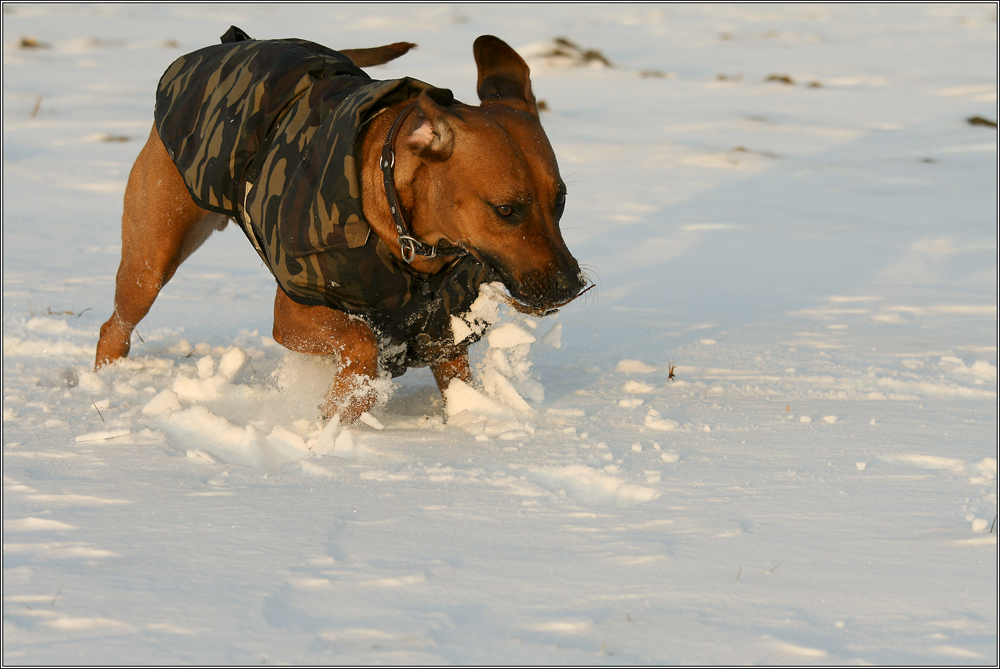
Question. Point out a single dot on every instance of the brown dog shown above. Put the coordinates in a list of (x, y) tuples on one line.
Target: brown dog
[(443, 185)]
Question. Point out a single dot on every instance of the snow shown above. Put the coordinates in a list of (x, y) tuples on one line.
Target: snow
[(784, 203), (634, 367), (509, 335)]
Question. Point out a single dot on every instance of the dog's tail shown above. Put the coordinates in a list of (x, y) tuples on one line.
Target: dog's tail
[(360, 57), (377, 55)]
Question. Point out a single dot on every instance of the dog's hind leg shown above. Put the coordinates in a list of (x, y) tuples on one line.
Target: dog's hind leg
[(161, 227)]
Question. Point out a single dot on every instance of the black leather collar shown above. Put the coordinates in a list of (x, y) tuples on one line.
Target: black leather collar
[(409, 246)]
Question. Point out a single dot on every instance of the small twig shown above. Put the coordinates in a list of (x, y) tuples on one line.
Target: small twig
[(670, 371), (775, 566), (251, 367), (192, 352), (139, 336), (993, 526), (52, 603), (38, 104), (739, 571), (49, 312), (99, 412)]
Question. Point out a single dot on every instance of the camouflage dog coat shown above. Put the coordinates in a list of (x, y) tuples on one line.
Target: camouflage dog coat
[(267, 133)]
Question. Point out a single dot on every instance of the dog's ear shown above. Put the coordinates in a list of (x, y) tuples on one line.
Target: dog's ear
[(503, 75), (430, 136)]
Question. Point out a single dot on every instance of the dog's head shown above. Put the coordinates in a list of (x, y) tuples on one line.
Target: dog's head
[(487, 180)]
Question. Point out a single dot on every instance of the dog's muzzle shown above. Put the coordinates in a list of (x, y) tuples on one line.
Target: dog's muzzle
[(538, 294)]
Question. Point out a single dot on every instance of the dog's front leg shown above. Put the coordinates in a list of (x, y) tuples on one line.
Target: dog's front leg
[(456, 368), (318, 330)]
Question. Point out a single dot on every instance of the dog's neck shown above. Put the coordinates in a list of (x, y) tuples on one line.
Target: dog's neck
[(373, 197)]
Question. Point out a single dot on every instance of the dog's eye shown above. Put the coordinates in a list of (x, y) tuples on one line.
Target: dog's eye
[(504, 210), (560, 203)]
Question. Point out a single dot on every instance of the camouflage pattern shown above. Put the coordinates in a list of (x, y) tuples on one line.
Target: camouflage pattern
[(267, 133)]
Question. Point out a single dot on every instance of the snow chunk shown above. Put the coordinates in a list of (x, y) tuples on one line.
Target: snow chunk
[(327, 438), (655, 423), (983, 370), (487, 305), (500, 388), (987, 465), (637, 387), (371, 421), (232, 363), (166, 401), (634, 367), (565, 627), (980, 369), (206, 367), (553, 337), (47, 325), (460, 329), (94, 624), (591, 487), (510, 335), (630, 402), (201, 456), (194, 390), (460, 396), (92, 382), (505, 371), (35, 524), (279, 448), (198, 428), (572, 413), (469, 422), (929, 462)]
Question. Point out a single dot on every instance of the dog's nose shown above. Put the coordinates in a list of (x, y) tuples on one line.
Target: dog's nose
[(560, 284), (568, 284)]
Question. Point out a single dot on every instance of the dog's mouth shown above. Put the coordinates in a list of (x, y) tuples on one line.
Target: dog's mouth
[(534, 309), (546, 310), (535, 292)]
